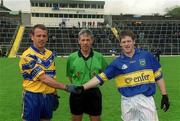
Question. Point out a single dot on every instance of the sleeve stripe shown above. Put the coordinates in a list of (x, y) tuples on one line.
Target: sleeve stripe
[(158, 78), (29, 65), (101, 81), (158, 73), (50, 73), (33, 74), (27, 76), (103, 76)]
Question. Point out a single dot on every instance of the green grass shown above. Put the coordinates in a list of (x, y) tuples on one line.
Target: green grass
[(11, 92)]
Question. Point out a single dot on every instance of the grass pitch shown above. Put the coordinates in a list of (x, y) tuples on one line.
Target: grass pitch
[(11, 92)]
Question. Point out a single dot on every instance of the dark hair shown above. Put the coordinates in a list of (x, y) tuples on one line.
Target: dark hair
[(40, 26), (86, 31), (125, 33)]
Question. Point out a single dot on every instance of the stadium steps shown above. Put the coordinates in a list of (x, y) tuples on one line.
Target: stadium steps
[(17, 42), (115, 32)]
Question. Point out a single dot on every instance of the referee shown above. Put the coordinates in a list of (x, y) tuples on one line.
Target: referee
[(82, 65)]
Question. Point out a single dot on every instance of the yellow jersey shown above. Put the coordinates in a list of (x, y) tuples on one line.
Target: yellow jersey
[(32, 64)]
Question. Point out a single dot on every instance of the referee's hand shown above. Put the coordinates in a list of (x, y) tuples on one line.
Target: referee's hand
[(165, 103)]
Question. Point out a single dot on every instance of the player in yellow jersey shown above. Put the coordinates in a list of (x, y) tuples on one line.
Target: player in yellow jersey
[(37, 66)]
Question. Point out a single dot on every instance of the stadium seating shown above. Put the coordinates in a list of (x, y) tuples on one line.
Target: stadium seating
[(150, 34), (64, 40), (153, 34), (8, 28)]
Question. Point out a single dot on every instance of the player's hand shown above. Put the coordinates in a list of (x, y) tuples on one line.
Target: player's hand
[(165, 103), (74, 89), (80, 89)]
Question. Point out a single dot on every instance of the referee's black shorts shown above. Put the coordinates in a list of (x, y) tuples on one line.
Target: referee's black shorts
[(89, 102)]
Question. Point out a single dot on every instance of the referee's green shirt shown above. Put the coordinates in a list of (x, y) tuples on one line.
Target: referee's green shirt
[(82, 69)]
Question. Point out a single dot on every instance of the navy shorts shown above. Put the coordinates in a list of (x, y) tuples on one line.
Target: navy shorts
[(37, 106), (89, 102)]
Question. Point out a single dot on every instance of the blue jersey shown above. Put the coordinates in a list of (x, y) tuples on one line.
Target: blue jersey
[(134, 75)]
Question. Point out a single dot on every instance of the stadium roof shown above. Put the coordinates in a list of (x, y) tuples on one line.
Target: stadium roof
[(68, 1), (3, 8), (144, 17)]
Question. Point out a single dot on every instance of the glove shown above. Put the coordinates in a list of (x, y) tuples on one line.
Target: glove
[(55, 102), (74, 89), (101, 83), (165, 103), (80, 89)]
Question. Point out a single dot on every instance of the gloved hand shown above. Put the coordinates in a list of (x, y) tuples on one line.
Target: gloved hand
[(101, 83), (74, 89), (165, 103), (55, 102), (80, 89)]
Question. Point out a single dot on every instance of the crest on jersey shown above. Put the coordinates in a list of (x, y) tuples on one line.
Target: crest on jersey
[(142, 62), (78, 74), (124, 66)]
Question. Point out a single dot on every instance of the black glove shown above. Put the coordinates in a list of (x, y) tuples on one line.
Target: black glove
[(55, 102), (101, 83), (74, 89), (80, 89), (165, 103)]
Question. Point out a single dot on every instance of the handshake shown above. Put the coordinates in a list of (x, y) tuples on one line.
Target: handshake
[(74, 89)]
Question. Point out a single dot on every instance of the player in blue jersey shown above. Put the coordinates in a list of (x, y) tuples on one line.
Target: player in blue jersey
[(136, 73), (37, 66)]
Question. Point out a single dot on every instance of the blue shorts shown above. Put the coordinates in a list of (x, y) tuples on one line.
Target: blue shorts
[(37, 106)]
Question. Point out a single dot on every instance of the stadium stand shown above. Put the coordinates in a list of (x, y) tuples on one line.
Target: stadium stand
[(153, 32), (8, 27), (64, 20), (64, 40)]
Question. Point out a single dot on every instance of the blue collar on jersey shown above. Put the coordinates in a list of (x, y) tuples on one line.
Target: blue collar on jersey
[(37, 50)]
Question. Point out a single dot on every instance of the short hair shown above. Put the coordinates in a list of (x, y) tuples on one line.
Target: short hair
[(87, 32), (125, 33), (40, 26)]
